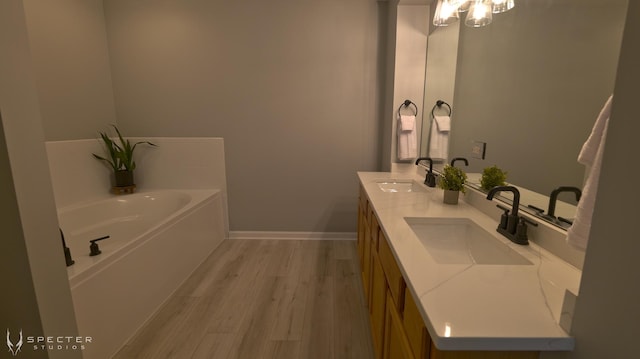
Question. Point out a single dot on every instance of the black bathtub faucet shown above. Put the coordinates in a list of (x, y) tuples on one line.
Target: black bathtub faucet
[(93, 247), (67, 252)]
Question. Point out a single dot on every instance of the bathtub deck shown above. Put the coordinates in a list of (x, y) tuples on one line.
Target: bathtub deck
[(264, 299)]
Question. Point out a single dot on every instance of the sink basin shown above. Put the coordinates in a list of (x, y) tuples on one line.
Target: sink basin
[(392, 185), (462, 241)]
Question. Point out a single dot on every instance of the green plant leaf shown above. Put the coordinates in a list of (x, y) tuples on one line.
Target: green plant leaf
[(121, 155), (491, 177), (453, 179)]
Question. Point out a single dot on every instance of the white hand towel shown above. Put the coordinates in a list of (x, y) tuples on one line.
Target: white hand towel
[(407, 139), (443, 123), (590, 156), (407, 122), (439, 139)]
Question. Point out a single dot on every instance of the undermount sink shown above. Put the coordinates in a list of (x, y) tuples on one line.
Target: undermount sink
[(393, 185), (462, 241)]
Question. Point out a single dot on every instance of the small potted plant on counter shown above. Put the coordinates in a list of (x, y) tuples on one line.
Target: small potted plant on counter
[(491, 177), (121, 160), (452, 182)]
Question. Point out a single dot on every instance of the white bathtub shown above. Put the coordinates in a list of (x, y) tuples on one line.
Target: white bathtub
[(156, 240)]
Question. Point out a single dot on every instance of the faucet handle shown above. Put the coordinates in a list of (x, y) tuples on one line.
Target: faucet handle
[(537, 209), (94, 249), (525, 220), (521, 236), (430, 179), (504, 219)]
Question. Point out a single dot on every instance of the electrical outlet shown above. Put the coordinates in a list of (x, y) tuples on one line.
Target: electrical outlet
[(478, 149)]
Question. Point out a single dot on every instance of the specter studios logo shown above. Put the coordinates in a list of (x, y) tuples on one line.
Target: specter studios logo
[(14, 348), (45, 343)]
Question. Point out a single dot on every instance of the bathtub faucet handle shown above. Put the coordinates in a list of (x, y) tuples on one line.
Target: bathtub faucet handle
[(95, 250)]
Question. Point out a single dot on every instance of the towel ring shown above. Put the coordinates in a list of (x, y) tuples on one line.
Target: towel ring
[(439, 104), (408, 103)]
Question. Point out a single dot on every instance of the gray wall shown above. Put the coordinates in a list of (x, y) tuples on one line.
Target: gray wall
[(292, 86), (71, 65), (533, 83), (606, 317)]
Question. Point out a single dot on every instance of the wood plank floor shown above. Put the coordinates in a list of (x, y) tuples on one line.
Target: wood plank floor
[(264, 299)]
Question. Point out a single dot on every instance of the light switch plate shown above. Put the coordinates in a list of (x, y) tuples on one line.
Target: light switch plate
[(478, 149)]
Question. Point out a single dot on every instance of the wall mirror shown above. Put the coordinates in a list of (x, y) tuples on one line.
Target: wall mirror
[(530, 85)]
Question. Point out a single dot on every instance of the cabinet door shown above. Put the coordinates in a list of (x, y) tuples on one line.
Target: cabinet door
[(366, 257), (391, 271), (396, 345), (361, 230), (413, 324), (378, 304)]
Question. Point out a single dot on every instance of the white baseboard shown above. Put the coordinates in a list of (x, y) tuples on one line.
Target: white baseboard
[(334, 236)]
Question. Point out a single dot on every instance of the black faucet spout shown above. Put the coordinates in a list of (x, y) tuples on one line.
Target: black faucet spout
[(419, 159), (512, 189), (453, 161), (553, 198), (430, 179)]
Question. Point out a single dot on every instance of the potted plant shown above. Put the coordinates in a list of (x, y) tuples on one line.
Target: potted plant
[(120, 158), (452, 181), (491, 177)]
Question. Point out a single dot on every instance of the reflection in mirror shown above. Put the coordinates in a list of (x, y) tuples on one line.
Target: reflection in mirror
[(530, 87)]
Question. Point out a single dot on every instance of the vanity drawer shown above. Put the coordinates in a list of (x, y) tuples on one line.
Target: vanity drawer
[(391, 271)]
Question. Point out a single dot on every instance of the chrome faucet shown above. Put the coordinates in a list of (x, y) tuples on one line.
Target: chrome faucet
[(430, 179), (511, 225)]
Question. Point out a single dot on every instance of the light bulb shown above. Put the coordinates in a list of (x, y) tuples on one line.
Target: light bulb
[(502, 5), (446, 13), (463, 5), (479, 14)]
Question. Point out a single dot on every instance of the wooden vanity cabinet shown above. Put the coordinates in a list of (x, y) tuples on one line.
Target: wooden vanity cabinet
[(396, 344), (441, 354), (378, 304), (364, 242), (397, 328), (361, 229), (414, 327), (395, 281)]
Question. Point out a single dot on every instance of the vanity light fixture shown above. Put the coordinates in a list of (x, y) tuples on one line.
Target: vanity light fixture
[(479, 12), (446, 13), (500, 6)]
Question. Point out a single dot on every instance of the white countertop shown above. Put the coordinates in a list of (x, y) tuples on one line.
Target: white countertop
[(471, 306)]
